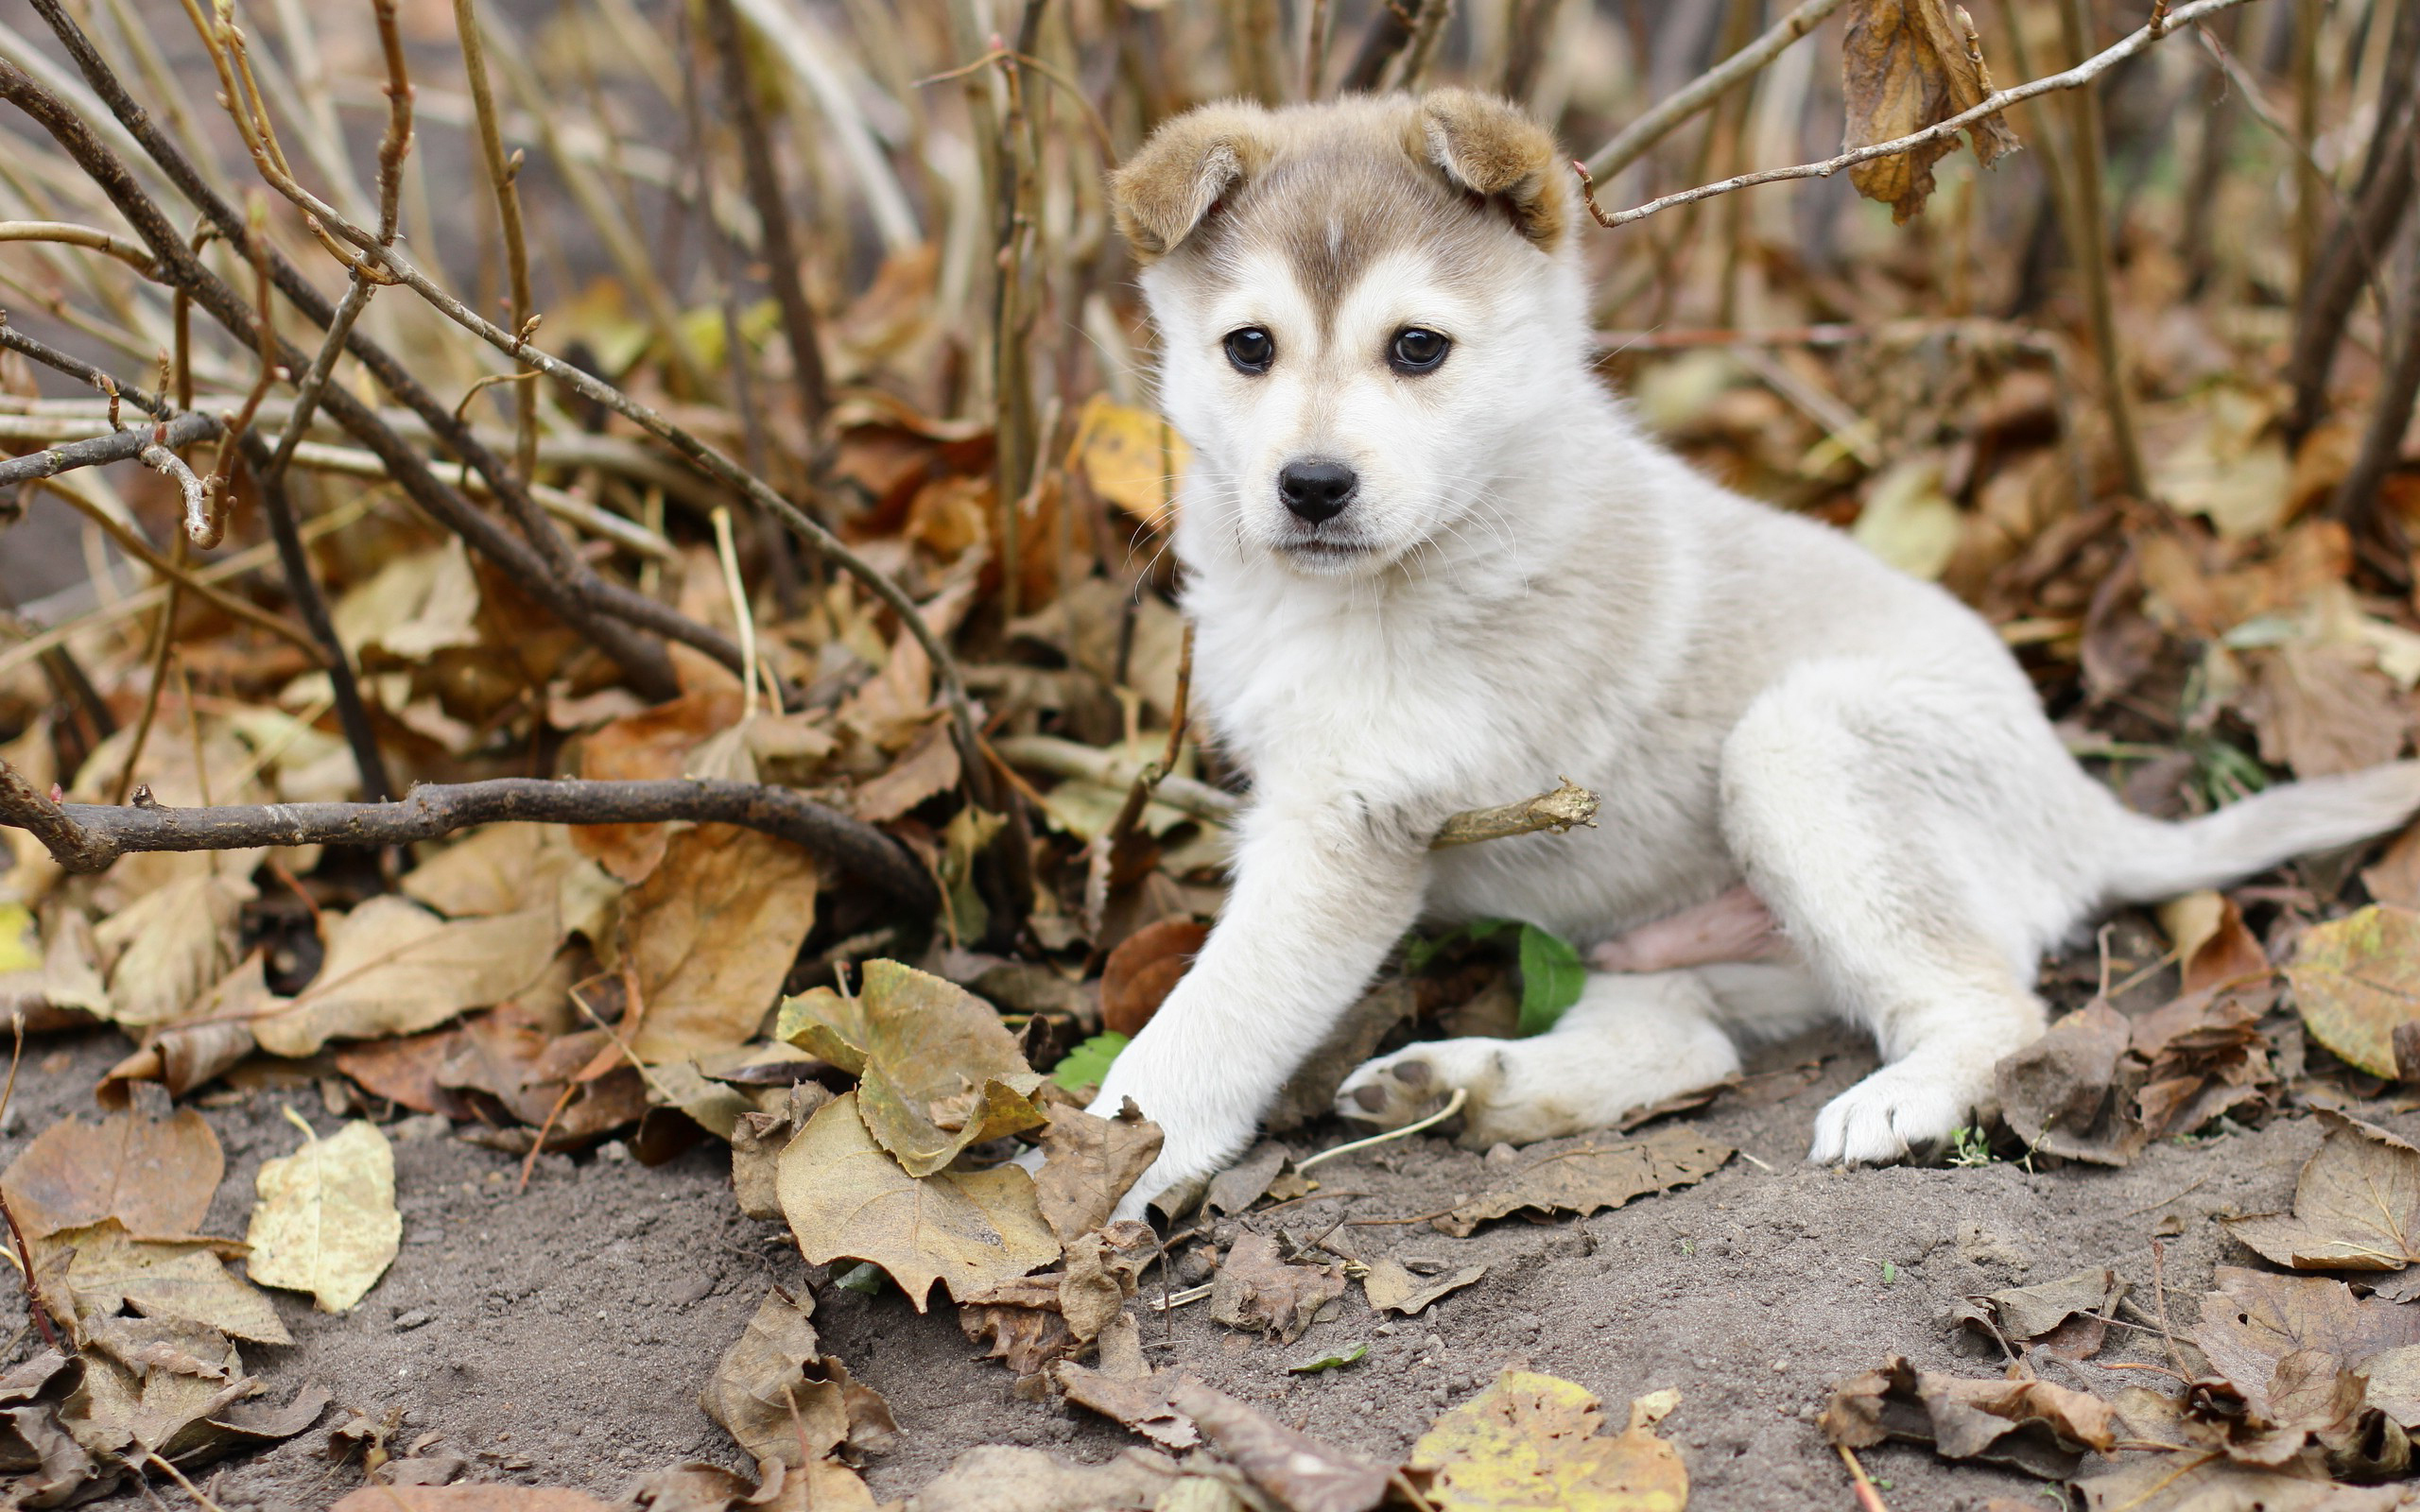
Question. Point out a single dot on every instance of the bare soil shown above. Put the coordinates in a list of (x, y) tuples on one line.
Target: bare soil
[(560, 1334)]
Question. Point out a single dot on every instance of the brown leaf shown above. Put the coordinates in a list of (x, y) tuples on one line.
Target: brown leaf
[(89, 1273), (1126, 1388), (1143, 969), (1019, 1322), (1588, 1178), (1001, 1478), (184, 1054), (2170, 1483), (1310, 1093), (1257, 1291), (484, 1496), (1088, 1164), (1102, 1273), (2058, 1316), (2355, 979), (2027, 1425), (2061, 1093), (652, 745), (2356, 1204), (2255, 1319), (1392, 1288), (712, 932), (758, 1139), (2323, 709), (155, 1177), (916, 1040), (1300, 1473), (1237, 1188), (2396, 878), (927, 768), (1904, 65), (394, 967), (844, 1195), (164, 948), (783, 1399)]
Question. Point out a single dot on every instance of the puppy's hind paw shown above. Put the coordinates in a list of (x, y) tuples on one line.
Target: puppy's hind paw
[(1901, 1112), (1416, 1081)]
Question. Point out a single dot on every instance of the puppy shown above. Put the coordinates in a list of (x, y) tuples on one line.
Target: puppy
[(1432, 564)]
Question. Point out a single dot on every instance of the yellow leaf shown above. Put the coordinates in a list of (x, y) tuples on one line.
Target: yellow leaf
[(1132, 457), (1534, 1443), (19, 946), (1907, 521), (2356, 979), (324, 1221), (846, 1197)]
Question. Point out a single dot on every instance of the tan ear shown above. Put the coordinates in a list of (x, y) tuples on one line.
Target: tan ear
[(1492, 149), (1193, 161)]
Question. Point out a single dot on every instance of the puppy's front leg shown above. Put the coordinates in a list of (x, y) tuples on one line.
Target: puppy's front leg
[(1320, 892)]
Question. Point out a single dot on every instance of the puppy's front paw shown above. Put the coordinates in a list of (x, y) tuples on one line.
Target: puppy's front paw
[(1419, 1079), (1903, 1112)]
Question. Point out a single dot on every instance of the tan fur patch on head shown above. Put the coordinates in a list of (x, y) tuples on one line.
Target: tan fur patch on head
[(1495, 153), (1162, 193)]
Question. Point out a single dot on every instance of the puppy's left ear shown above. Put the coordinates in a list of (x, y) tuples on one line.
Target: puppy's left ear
[(1492, 149)]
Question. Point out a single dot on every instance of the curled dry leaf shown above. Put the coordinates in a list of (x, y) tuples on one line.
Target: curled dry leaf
[(1534, 1441), (929, 767), (2099, 1087), (1257, 1291), (2357, 1205), (1590, 1177), (937, 1071), (2026, 1425), (2255, 1320), (1237, 1188), (325, 1220), (845, 1196), (97, 1271), (1300, 1473), (2355, 979), (2174, 1483), (487, 1496), (394, 967), (711, 933), (1088, 1164), (155, 1176), (1122, 1386), (2067, 1318), (164, 948), (193, 1050), (2323, 709), (1392, 1288), (1143, 969), (783, 1399), (1904, 65)]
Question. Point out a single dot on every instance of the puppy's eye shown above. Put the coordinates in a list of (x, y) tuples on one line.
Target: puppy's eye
[(1417, 350), (1251, 350)]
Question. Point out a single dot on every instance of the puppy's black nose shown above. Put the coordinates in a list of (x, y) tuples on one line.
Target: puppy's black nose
[(1317, 490)]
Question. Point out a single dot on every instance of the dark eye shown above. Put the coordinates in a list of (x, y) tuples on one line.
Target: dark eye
[(1251, 350), (1416, 349)]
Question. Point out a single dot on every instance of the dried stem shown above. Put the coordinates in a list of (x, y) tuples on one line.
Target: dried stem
[(1641, 135), (501, 173), (2356, 500), (2088, 240), (84, 838), (1568, 806), (73, 235)]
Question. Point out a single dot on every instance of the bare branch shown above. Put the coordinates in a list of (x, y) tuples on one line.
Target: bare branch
[(72, 236), (86, 837), (1642, 134), (1568, 805), (1999, 100), (117, 446)]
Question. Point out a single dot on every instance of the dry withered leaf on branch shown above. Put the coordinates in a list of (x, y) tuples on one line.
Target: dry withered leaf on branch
[(2032, 1426), (1392, 1288), (2355, 979), (937, 1071), (2357, 1205), (1002, 1478), (325, 1220), (93, 1272), (394, 967), (1590, 1177), (711, 933), (2255, 1320), (2067, 1318), (155, 1177), (1143, 969), (1904, 67), (1300, 1473), (1088, 1164), (1536, 1441), (845, 1196), (1257, 1291), (783, 1399)]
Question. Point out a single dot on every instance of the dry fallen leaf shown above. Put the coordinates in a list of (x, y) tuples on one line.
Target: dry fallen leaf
[(2256, 1320), (1001, 1478), (1143, 969), (1300, 1473), (653, 746), (1392, 1288), (2066, 1318), (938, 1070), (845, 1196), (479, 1497), (2027, 1425), (1904, 65), (1534, 1443), (393, 968), (2355, 979), (1132, 457), (2356, 1204), (155, 1177), (93, 1272), (325, 1220), (1088, 1164), (2326, 709), (1255, 1290), (784, 1400), (1122, 1386), (712, 932), (2174, 1483), (1589, 1178), (929, 767)]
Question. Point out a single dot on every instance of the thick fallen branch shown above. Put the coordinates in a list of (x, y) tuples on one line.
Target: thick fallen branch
[(85, 838), (1992, 104)]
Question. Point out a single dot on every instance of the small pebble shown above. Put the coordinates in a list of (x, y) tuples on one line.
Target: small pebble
[(405, 1322)]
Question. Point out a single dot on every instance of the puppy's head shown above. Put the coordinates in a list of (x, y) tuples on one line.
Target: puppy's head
[(1365, 309)]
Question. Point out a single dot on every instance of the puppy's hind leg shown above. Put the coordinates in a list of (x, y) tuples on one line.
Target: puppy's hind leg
[(1628, 1042), (1880, 815)]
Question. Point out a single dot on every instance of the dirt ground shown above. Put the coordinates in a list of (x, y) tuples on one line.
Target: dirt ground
[(559, 1335)]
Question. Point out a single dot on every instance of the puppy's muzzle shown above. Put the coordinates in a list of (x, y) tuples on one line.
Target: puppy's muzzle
[(1317, 490)]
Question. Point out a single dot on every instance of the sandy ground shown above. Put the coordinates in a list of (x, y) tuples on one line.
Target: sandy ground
[(559, 1335)]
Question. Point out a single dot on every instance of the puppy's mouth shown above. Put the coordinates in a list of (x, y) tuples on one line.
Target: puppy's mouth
[(1325, 548)]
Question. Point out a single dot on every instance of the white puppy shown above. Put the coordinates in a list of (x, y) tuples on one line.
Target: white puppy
[(1433, 565)]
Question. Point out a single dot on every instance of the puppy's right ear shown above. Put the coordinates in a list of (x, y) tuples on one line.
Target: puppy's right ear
[(1164, 192)]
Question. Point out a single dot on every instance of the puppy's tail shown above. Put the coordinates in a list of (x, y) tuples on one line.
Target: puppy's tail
[(2156, 861)]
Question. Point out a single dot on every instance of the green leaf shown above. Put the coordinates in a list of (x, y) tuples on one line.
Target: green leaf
[(1331, 1362), (1085, 1065), (1551, 979), (1418, 950)]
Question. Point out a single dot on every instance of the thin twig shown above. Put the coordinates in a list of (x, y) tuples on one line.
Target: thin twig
[(17, 1235), (1869, 1499), (1453, 1106), (73, 235), (1641, 135), (502, 175)]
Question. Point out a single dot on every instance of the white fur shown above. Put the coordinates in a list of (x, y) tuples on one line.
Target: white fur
[(1543, 592)]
